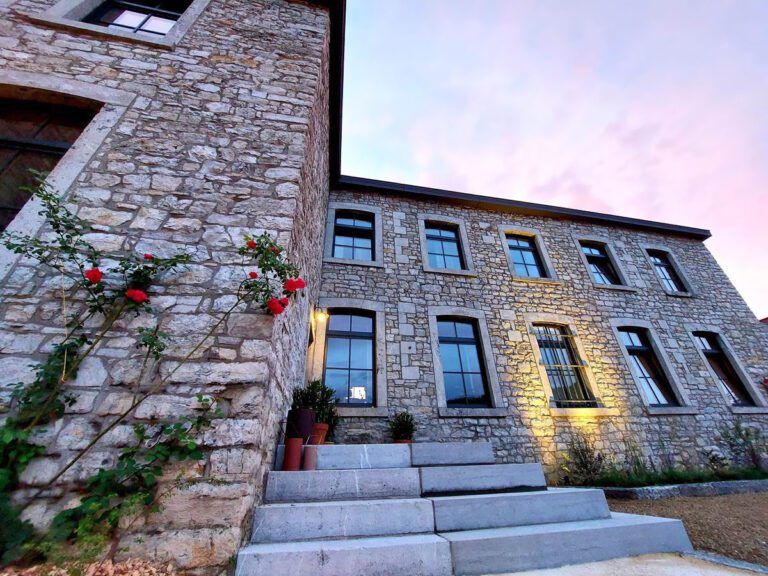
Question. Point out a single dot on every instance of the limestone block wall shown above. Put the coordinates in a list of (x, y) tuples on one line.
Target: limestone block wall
[(529, 430), (223, 134)]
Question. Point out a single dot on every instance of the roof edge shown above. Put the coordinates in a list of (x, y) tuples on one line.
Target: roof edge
[(384, 187)]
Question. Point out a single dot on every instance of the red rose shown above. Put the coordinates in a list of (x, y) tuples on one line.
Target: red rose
[(94, 275), (284, 301), (274, 306), (276, 250), (253, 275), (138, 296), (293, 284), (251, 244), (149, 257)]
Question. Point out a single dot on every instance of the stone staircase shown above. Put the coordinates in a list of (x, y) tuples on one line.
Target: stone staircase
[(436, 509)]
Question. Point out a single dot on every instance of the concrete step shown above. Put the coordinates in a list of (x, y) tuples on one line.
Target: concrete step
[(327, 485), (482, 478), (518, 509), (346, 519), (500, 550), (419, 555), (357, 456), (451, 453)]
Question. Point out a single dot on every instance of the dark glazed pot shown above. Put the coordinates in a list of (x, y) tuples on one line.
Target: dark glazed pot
[(300, 423)]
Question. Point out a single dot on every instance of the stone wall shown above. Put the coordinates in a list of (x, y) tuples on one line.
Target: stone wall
[(529, 430), (224, 134)]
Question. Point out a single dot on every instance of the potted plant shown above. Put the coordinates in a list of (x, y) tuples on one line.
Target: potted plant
[(298, 430), (402, 426), (319, 398)]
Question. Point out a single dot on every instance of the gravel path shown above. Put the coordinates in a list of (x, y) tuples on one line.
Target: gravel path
[(734, 526)]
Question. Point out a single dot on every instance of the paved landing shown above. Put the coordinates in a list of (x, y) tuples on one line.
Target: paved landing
[(650, 565)]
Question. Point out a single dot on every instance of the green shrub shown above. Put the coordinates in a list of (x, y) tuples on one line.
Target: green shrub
[(320, 398), (583, 463), (744, 444), (402, 426)]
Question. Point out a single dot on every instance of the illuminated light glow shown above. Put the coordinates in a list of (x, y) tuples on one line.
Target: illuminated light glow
[(357, 393), (321, 315)]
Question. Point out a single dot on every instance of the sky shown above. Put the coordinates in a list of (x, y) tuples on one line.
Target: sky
[(654, 109)]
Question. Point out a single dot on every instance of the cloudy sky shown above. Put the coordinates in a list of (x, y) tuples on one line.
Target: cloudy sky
[(656, 109)]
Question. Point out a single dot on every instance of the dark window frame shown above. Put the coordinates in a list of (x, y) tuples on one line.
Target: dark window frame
[(666, 271), (552, 336), (601, 266), (475, 341), (723, 367), (430, 229), (531, 248), (149, 9), (652, 372), (354, 231), (56, 149), (353, 336)]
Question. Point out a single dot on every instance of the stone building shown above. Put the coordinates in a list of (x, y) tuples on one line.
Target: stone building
[(181, 125)]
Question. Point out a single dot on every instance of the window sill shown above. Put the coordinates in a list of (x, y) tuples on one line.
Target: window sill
[(679, 294), (372, 412), (749, 409), (619, 287), (583, 412), (365, 263), (168, 41), (671, 411), (446, 271), (445, 412), (524, 280)]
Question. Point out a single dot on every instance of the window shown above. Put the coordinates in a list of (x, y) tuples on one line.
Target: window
[(463, 371), (564, 368), (443, 246), (153, 18), (666, 272), (353, 236), (727, 377), (32, 136), (646, 367), (600, 265), (525, 255), (349, 357)]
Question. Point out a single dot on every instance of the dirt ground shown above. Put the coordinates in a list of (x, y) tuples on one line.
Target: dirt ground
[(734, 526)]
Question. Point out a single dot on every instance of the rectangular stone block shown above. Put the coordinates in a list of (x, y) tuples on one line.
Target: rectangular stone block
[(420, 555), (500, 550), (448, 453), (318, 520), (321, 485), (518, 509), (482, 478), (357, 456)]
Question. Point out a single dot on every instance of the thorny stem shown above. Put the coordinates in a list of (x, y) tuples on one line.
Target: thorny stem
[(158, 387)]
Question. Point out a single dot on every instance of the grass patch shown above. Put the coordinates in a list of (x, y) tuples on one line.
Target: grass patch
[(630, 479)]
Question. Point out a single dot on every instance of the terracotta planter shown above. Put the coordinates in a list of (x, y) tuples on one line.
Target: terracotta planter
[(300, 423), (319, 431), (310, 458), (403, 441), (292, 457)]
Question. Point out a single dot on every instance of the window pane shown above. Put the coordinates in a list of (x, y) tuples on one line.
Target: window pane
[(338, 380), (452, 263), (361, 353), (475, 387), (339, 322), (434, 246), (360, 387), (449, 356), (337, 353), (362, 243), (346, 252), (450, 249), (465, 330), (470, 361), (454, 388), (344, 240), (446, 329), (362, 324), (362, 254), (437, 261), (127, 18)]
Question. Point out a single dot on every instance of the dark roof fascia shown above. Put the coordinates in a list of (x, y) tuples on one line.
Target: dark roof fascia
[(338, 13), (531, 208)]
